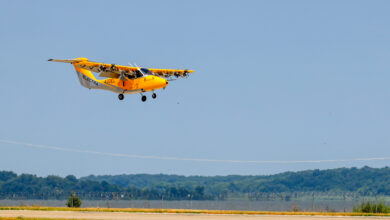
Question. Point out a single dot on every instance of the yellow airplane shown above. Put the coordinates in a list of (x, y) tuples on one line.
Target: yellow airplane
[(123, 79)]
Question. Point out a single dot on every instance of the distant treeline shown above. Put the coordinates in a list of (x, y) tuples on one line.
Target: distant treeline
[(365, 181), (27, 186)]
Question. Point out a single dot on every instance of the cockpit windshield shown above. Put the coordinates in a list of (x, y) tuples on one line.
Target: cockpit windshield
[(145, 71)]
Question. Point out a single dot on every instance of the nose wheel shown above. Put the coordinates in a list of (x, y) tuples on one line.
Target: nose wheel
[(154, 95), (121, 96), (143, 98)]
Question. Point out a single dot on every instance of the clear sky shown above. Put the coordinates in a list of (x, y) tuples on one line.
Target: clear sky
[(274, 80)]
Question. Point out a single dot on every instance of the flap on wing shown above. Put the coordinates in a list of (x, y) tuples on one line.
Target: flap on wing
[(109, 75)]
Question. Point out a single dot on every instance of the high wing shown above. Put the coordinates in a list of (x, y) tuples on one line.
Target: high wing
[(118, 71), (115, 71), (166, 73), (108, 70)]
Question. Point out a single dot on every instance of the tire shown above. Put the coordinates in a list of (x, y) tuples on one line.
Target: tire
[(121, 96), (143, 98), (154, 95)]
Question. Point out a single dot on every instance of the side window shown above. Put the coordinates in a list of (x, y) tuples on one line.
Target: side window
[(138, 73)]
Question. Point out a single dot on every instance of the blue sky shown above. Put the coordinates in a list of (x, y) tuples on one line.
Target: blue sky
[(274, 80)]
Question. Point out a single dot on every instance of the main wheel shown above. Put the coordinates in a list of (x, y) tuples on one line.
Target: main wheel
[(121, 96), (143, 98), (154, 95)]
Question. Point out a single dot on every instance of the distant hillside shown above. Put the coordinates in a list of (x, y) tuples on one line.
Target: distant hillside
[(363, 181)]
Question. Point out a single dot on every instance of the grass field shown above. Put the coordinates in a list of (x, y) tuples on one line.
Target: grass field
[(187, 211)]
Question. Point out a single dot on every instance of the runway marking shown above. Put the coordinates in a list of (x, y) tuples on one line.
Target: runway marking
[(151, 157)]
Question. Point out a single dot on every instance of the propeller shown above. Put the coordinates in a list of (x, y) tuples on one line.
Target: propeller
[(112, 68), (185, 73), (102, 68)]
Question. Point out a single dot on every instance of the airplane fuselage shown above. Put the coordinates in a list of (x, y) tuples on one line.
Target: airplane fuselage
[(128, 86)]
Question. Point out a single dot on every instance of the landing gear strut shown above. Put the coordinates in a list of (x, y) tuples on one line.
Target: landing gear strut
[(121, 96), (143, 98), (154, 95)]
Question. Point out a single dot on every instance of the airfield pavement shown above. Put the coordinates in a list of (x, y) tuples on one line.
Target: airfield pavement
[(162, 216)]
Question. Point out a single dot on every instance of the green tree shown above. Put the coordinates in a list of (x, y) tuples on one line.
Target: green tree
[(74, 201), (372, 207)]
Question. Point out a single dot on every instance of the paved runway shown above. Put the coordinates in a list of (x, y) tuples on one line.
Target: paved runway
[(161, 216)]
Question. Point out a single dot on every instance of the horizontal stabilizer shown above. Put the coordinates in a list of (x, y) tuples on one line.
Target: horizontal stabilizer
[(62, 61), (69, 61)]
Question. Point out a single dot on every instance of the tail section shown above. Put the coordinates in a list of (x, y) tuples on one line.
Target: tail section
[(86, 78)]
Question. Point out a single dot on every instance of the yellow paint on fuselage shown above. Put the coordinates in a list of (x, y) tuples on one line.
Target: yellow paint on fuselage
[(147, 83), (142, 84)]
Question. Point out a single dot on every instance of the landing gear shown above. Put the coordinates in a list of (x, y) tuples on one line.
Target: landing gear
[(121, 96), (154, 95), (143, 98)]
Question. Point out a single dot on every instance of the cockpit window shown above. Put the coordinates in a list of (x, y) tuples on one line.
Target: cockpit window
[(146, 71)]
